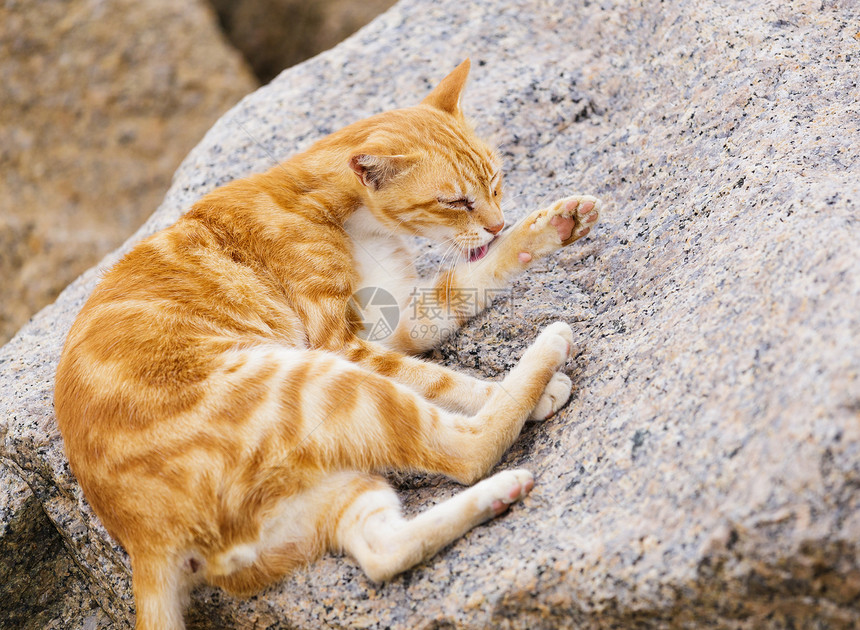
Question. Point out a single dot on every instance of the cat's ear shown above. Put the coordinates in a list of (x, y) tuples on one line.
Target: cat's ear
[(446, 95), (377, 170)]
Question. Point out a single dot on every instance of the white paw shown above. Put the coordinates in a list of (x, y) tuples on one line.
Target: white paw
[(558, 337), (496, 493), (557, 393)]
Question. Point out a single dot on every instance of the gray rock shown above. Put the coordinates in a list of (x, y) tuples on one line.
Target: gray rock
[(706, 471), (40, 586)]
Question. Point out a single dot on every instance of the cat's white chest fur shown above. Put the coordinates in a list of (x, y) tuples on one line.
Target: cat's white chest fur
[(381, 257)]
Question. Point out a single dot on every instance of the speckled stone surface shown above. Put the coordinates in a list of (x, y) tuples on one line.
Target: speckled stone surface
[(706, 471), (41, 588)]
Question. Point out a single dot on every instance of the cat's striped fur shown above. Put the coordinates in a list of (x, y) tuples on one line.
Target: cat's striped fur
[(224, 416)]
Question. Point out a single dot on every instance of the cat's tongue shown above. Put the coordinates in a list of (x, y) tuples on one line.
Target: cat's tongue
[(478, 253)]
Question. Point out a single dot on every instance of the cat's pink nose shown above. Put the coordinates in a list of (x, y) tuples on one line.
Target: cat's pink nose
[(495, 229)]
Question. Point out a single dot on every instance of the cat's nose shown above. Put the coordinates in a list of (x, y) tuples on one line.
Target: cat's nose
[(495, 229)]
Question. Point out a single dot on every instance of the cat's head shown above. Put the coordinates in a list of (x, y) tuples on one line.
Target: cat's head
[(424, 171)]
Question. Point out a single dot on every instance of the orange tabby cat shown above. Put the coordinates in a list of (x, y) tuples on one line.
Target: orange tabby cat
[(220, 406)]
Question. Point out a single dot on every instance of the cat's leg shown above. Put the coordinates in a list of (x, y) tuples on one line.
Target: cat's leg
[(439, 310), (390, 426), (269, 564), (313, 411), (436, 383), (435, 311), (372, 529), (446, 387), (359, 513)]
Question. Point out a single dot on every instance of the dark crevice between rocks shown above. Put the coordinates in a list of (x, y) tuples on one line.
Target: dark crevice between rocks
[(41, 588), (273, 35)]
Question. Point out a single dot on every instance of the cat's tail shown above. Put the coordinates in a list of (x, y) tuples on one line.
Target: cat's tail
[(161, 589)]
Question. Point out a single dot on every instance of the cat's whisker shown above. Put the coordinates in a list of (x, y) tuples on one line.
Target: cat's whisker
[(408, 265), (452, 244), (393, 230), (443, 266)]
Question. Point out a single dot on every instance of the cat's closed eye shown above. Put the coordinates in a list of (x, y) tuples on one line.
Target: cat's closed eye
[(462, 203)]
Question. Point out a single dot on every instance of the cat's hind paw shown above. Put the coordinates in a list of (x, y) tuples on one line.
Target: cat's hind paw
[(496, 493), (556, 394)]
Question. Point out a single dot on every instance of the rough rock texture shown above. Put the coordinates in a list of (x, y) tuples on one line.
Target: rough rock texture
[(706, 471), (277, 34), (99, 103), (40, 587)]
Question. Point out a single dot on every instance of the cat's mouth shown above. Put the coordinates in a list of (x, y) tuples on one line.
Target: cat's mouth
[(479, 252)]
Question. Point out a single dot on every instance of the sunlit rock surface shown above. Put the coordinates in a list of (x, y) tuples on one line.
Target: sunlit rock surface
[(706, 470)]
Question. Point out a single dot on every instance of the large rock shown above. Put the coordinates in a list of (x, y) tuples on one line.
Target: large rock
[(706, 471), (99, 103)]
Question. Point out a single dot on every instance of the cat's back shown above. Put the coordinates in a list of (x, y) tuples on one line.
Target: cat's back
[(160, 328)]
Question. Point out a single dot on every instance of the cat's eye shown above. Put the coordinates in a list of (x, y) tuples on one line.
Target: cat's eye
[(461, 203)]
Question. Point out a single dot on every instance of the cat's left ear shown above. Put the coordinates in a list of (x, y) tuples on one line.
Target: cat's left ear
[(446, 95), (377, 170)]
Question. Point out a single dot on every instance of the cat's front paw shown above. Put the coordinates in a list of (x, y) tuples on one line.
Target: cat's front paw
[(573, 217), (564, 222)]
